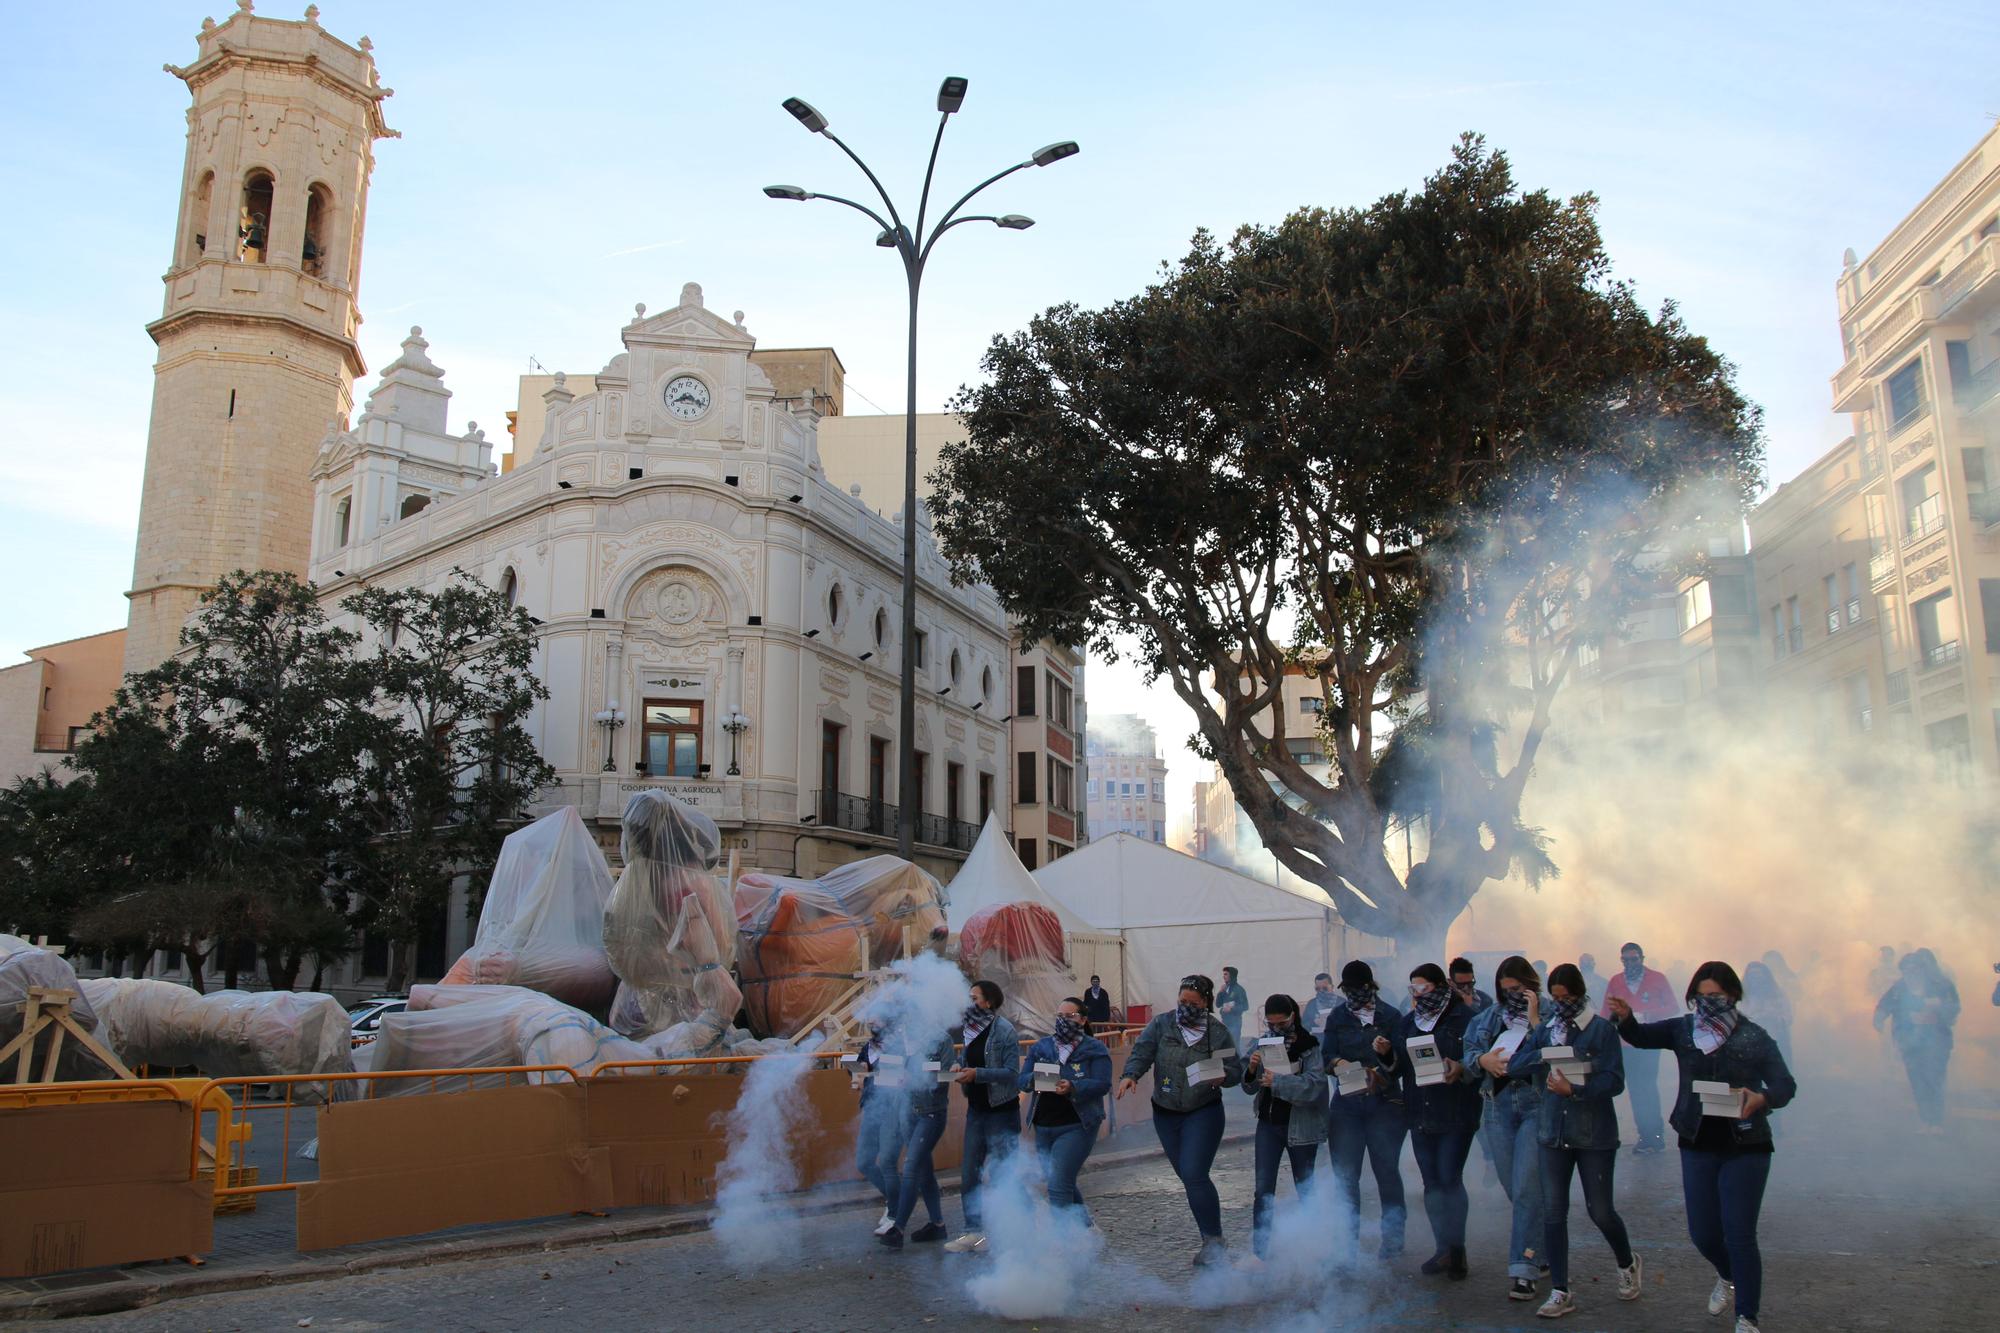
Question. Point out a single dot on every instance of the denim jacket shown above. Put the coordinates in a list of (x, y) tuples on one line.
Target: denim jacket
[(1587, 1119), (1162, 1050), (1088, 1070), (932, 1097), (1304, 1092), (1346, 1039), (1003, 1059), (1748, 1059), (1442, 1108)]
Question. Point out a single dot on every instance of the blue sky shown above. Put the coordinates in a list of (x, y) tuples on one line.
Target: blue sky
[(560, 164)]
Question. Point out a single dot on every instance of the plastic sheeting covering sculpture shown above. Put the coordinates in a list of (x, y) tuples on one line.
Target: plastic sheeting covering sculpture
[(484, 1027), (23, 965), (800, 939), (542, 925), (669, 930), (224, 1034), (1020, 946)]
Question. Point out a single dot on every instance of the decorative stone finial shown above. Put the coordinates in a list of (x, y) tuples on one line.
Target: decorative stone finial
[(364, 43), (207, 25), (472, 428), (416, 330), (1847, 259), (246, 6), (855, 490), (738, 317), (639, 310), (691, 294), (562, 380), (312, 13)]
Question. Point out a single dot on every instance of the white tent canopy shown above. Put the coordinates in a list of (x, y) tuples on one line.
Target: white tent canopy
[(993, 874), (1179, 915)]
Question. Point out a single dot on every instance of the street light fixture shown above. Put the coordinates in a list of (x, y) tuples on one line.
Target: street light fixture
[(913, 245), (735, 723), (611, 717)]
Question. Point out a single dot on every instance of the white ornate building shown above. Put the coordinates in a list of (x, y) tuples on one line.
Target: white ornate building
[(690, 565)]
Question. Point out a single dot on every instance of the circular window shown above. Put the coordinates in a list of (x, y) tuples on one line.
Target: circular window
[(954, 666), (881, 628), (833, 600)]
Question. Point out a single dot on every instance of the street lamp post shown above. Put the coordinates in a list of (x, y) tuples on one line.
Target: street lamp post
[(735, 724), (914, 246), (610, 718)]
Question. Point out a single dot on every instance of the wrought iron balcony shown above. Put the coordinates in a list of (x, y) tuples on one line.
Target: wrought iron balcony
[(1881, 568), (1986, 508), (862, 814), (1921, 520), (1940, 655)]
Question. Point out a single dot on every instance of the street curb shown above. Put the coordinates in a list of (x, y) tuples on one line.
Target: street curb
[(136, 1293)]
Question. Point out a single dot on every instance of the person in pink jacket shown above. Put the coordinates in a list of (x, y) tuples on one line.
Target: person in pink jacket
[(1651, 999)]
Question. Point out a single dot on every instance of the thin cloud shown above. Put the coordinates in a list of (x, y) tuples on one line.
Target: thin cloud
[(642, 249)]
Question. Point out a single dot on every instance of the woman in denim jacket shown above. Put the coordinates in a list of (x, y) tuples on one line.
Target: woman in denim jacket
[(1725, 1160), (1291, 1111), (1187, 1115), (927, 1102), (1512, 1114), (1578, 1131), (1066, 1120), (1444, 1117), (1370, 1122)]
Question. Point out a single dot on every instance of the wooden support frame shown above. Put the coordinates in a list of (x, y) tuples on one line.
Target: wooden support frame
[(48, 1009)]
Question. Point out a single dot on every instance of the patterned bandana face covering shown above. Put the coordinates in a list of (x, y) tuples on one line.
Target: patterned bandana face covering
[(1717, 1013), (1431, 1002), (1572, 1007), (1514, 1003), (1190, 1016), (1360, 997), (976, 1018), (1069, 1031)]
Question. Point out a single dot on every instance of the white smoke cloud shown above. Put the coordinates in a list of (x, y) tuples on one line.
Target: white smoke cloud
[(754, 1222), (1039, 1256), (921, 998)]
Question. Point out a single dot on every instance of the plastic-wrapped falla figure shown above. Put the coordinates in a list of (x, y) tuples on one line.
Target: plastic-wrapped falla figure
[(669, 930)]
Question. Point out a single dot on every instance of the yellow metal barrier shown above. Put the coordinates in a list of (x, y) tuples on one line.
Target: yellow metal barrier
[(233, 1096)]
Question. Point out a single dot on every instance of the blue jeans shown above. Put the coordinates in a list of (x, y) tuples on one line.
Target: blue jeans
[(1517, 1157), (1927, 1060), (1441, 1161), (1273, 1151), (1190, 1139), (921, 1132), (1724, 1193), (878, 1145), (1642, 1085), (1062, 1150), (1595, 1167), (990, 1135), (1372, 1127)]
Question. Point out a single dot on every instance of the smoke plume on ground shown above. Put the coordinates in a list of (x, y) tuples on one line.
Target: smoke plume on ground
[(754, 1223)]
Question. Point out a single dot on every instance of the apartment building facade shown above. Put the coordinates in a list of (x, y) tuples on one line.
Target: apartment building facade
[(1126, 790)]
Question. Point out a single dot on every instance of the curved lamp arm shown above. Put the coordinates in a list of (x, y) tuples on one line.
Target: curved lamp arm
[(889, 203), (945, 221), (930, 169), (861, 208)]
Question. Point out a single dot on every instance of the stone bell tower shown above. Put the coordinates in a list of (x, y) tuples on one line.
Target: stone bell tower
[(257, 341)]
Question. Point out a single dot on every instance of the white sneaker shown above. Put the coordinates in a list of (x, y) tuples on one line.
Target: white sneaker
[(1628, 1279), (882, 1226), (972, 1242), (1557, 1305), (1744, 1324), (1722, 1297)]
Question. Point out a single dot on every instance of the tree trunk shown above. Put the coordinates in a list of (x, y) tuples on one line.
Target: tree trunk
[(319, 973), (402, 964), (195, 959), (281, 967)]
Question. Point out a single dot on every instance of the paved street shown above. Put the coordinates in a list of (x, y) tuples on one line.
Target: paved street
[(1852, 1242)]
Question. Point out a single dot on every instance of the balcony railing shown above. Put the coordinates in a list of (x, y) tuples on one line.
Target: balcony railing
[(1940, 654), (1854, 610), (1978, 388), (1881, 568), (1986, 508), (1864, 720), (1833, 620), (861, 814), (1922, 520), (1898, 685)]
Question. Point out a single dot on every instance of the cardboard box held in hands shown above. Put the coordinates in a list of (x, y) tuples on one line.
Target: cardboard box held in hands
[(1564, 1060), (1047, 1076), (1207, 1071), (1719, 1099), (1271, 1055), (1426, 1061)]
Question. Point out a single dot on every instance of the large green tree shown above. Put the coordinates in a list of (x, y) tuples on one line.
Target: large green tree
[(452, 768), (1418, 451), (224, 782)]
